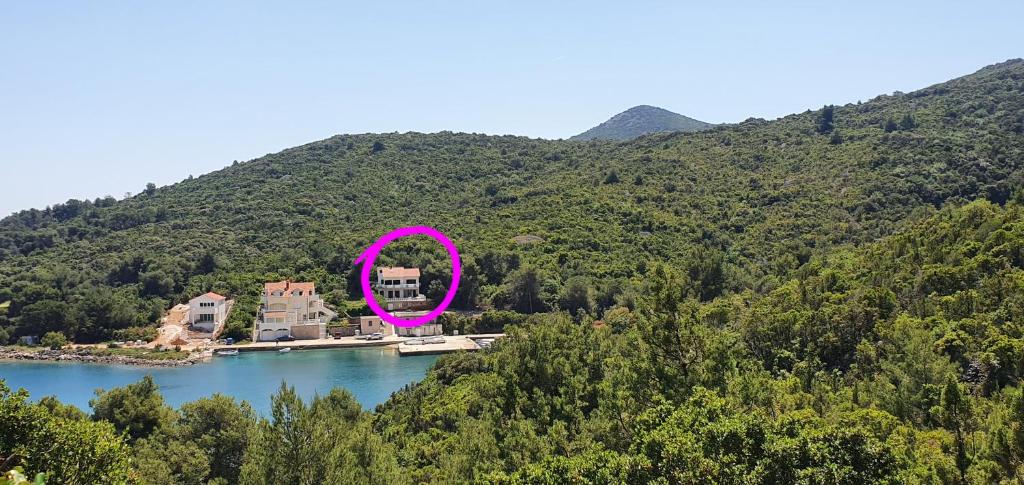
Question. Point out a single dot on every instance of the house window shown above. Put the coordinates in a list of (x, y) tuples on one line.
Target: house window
[(205, 317), (410, 282)]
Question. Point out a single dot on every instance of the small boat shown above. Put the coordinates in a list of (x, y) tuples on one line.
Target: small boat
[(227, 352), (286, 349)]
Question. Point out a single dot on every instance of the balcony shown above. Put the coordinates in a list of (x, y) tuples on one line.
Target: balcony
[(402, 286), (400, 299)]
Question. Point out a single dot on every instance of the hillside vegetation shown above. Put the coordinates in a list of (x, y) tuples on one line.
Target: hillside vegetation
[(895, 362), (833, 297), (737, 208)]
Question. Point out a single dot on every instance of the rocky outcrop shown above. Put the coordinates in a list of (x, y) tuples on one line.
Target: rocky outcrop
[(86, 355)]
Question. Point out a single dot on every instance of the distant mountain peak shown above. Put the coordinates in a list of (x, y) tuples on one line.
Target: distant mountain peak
[(641, 120)]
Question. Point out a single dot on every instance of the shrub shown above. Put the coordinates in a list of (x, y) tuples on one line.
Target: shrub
[(54, 340), (136, 333)]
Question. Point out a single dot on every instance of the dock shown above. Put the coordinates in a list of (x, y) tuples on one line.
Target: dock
[(451, 344), (323, 343)]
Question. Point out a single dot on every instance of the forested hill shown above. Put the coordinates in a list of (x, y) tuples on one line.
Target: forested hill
[(642, 120), (896, 362), (737, 207)]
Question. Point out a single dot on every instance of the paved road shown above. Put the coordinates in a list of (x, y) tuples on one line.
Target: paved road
[(452, 344), (325, 343)]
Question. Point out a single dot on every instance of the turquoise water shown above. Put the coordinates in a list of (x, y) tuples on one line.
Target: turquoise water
[(370, 374)]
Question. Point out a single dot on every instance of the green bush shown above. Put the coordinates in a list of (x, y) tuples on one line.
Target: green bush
[(131, 334), (53, 340)]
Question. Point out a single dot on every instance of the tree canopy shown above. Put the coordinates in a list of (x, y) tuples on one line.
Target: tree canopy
[(767, 302)]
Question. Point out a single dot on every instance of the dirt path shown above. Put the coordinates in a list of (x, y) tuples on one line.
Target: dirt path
[(173, 329)]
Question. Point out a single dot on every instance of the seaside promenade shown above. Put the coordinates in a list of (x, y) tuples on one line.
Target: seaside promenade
[(451, 344)]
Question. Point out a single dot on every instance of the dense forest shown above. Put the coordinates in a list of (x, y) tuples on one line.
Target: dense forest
[(835, 296), (896, 362)]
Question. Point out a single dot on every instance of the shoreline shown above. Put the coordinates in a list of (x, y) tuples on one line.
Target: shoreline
[(87, 355), (311, 344)]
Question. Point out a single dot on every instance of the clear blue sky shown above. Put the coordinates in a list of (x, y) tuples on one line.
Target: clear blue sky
[(99, 98)]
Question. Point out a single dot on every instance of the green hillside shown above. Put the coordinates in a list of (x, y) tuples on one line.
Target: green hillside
[(738, 208), (895, 362), (884, 364), (642, 120)]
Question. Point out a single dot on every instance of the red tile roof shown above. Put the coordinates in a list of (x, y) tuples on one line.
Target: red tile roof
[(288, 287), (399, 272), (211, 295)]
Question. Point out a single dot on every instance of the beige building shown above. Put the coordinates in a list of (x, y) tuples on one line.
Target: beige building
[(372, 324), (400, 288), (426, 330), (207, 312), (292, 309)]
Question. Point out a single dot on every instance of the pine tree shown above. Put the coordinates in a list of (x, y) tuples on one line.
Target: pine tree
[(907, 123), (955, 413), (890, 125), (825, 124)]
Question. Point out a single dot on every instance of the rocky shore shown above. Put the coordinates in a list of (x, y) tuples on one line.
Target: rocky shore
[(87, 355)]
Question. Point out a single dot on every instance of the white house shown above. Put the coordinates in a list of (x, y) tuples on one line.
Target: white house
[(428, 329), (207, 312), (292, 309), (400, 288)]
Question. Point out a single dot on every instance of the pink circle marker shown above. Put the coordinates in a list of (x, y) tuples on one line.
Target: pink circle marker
[(370, 255)]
